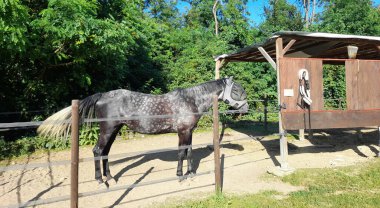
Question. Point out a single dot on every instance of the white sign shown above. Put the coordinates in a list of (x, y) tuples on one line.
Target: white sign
[(288, 92)]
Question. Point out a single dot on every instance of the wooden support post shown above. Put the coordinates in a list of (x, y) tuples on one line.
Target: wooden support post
[(74, 152), (218, 64), (215, 117), (288, 46), (283, 140), (378, 153), (359, 133), (215, 114), (301, 134), (266, 113), (267, 57)]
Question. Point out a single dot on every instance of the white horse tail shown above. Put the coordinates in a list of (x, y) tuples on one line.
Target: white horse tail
[(58, 125)]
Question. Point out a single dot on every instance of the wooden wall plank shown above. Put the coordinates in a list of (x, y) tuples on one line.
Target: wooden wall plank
[(289, 81), (362, 92), (330, 119), (362, 84)]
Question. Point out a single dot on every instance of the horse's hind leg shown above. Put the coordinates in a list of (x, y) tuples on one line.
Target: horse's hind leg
[(97, 152), (107, 129), (106, 168)]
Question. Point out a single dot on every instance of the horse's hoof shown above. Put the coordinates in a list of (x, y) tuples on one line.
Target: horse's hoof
[(182, 178), (100, 181), (190, 174), (111, 181), (102, 186)]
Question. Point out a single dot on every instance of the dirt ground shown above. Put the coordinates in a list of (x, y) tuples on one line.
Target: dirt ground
[(149, 180)]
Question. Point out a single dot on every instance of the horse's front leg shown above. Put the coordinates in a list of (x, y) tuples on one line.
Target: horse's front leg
[(182, 136), (189, 156), (181, 157), (185, 139), (97, 154)]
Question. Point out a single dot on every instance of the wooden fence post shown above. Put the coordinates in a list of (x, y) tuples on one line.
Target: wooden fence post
[(266, 112), (215, 116), (74, 152)]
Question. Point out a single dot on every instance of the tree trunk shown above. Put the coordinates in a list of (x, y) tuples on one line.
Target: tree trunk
[(306, 6), (215, 17), (313, 12)]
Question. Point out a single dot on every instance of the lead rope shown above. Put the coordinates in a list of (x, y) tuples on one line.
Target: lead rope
[(304, 91)]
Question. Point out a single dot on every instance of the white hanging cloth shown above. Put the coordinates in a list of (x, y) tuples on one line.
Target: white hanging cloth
[(304, 87)]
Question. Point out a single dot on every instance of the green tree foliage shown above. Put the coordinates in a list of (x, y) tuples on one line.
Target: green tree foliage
[(13, 26), (76, 48), (200, 15), (14, 21), (165, 11), (346, 17), (349, 17), (280, 16), (234, 23), (334, 84), (53, 51)]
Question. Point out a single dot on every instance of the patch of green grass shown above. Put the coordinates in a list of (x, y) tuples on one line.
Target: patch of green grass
[(29, 144), (263, 199), (355, 186)]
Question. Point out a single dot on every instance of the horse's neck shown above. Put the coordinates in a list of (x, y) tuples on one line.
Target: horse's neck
[(203, 98), (204, 102)]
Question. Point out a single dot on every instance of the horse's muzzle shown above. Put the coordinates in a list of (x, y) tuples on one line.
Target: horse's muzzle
[(244, 108)]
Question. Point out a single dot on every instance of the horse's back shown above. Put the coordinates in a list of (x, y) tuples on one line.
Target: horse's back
[(143, 113)]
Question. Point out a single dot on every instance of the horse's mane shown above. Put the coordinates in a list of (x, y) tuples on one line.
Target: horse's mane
[(204, 88)]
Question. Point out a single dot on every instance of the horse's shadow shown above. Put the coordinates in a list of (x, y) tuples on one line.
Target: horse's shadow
[(327, 140), (199, 154)]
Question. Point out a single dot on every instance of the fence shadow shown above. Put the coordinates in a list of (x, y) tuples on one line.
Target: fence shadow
[(172, 156), (333, 140), (117, 202), (255, 129), (327, 140)]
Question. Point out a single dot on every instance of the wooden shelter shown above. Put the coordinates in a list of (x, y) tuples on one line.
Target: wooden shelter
[(289, 52)]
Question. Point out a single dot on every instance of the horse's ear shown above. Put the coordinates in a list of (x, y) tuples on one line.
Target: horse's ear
[(229, 80)]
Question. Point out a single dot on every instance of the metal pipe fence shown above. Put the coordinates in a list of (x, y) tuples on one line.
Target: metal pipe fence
[(115, 156), (265, 107), (33, 124)]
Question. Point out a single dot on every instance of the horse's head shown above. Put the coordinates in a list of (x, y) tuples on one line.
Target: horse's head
[(234, 95)]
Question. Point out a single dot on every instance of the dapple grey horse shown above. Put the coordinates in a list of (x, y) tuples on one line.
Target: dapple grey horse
[(177, 111)]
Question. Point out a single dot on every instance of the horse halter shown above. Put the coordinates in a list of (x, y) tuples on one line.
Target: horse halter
[(229, 94), (304, 86)]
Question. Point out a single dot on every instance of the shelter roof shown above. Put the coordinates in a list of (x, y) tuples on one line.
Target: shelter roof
[(310, 45)]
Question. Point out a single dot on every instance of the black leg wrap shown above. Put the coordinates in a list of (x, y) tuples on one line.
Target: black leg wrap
[(99, 180), (189, 161), (181, 156)]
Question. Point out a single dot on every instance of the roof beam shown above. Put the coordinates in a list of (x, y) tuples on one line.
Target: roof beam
[(268, 58), (287, 47)]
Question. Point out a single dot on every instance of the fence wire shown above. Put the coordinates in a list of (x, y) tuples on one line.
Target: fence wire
[(116, 156), (125, 187), (33, 124)]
